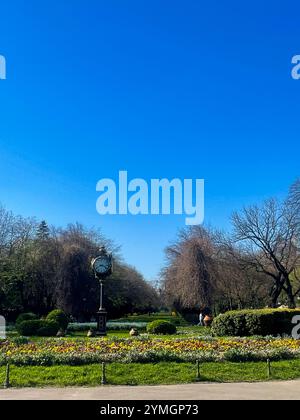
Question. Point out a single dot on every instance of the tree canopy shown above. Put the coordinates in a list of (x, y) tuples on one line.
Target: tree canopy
[(42, 268)]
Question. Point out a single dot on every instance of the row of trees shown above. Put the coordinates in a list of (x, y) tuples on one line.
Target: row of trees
[(43, 268), (256, 265)]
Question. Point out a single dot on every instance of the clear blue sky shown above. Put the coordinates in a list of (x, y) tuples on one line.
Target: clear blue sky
[(187, 89)]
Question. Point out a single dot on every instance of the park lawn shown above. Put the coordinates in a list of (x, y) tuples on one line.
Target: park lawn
[(149, 374), (182, 332), (178, 320)]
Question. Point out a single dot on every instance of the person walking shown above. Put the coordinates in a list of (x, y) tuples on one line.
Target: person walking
[(200, 324)]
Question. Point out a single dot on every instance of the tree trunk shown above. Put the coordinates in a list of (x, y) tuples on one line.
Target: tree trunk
[(290, 295), (275, 292)]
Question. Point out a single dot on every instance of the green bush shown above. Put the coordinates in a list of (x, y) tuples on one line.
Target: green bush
[(60, 317), (48, 328), (27, 328), (161, 327), (254, 322), (26, 317), (20, 341), (38, 327)]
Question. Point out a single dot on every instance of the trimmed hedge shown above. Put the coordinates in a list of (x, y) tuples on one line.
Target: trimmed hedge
[(28, 316), (254, 322), (39, 327), (161, 327), (48, 328), (60, 317)]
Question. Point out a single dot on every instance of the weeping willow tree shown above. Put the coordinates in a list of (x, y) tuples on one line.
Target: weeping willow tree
[(188, 279)]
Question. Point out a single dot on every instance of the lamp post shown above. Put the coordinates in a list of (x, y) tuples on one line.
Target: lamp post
[(102, 266)]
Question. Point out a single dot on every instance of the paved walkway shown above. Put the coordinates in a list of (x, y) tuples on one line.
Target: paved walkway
[(287, 390)]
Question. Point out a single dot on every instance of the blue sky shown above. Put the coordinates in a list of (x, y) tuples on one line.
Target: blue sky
[(169, 89)]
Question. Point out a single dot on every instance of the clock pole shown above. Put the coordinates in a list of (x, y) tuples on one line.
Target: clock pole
[(102, 266), (101, 314), (101, 295)]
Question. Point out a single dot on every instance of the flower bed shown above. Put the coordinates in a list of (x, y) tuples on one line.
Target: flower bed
[(144, 349)]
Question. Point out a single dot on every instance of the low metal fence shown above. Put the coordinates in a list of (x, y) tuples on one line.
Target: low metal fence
[(104, 380)]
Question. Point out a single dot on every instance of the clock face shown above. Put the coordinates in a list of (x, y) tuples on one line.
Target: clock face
[(102, 265)]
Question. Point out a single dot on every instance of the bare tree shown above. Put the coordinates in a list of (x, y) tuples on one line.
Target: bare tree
[(268, 237), (205, 269), (238, 284), (188, 278)]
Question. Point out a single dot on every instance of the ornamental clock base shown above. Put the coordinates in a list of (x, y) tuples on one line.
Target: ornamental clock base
[(101, 322)]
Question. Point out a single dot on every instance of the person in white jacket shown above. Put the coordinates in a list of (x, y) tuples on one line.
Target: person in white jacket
[(200, 324)]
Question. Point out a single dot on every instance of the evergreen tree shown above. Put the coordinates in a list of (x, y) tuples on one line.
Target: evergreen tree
[(43, 231)]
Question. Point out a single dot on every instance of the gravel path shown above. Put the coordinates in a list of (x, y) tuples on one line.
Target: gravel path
[(287, 390)]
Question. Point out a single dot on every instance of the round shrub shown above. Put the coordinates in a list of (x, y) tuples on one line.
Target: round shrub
[(60, 317), (161, 327), (48, 328), (28, 316), (28, 328), (254, 322), (40, 327)]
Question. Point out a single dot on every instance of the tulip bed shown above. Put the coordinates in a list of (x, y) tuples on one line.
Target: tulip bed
[(145, 349)]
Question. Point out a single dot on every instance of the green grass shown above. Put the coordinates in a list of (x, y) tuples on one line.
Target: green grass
[(182, 332), (178, 320), (149, 374)]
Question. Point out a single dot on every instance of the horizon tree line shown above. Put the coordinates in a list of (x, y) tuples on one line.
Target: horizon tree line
[(43, 268)]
